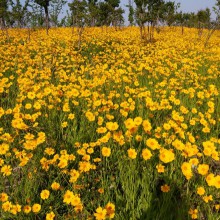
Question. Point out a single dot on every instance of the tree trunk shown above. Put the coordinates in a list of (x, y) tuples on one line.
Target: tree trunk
[(46, 19), (93, 22), (2, 23), (141, 31), (182, 29), (80, 31), (29, 34), (200, 30), (211, 32), (148, 29)]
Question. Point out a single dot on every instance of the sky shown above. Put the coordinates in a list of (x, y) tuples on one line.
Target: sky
[(195, 5), (185, 6)]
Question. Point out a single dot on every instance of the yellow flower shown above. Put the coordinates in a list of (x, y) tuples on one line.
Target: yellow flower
[(66, 107), (74, 175), (165, 188), (15, 209), (112, 126), (26, 209), (64, 124), (101, 130), (106, 151), (193, 213), (209, 147), (31, 95), (207, 198), (160, 168), (36, 208), (90, 116), (44, 194), (76, 200), (200, 191), (68, 197), (55, 186), (100, 213), (63, 163), (28, 106), (50, 215), (203, 169), (210, 179), (217, 181), (138, 138), (132, 153), (147, 126), (37, 105), (3, 197), (6, 170), (1, 162), (138, 121), (4, 148), (84, 166), (187, 170), (49, 151), (101, 190), (110, 208), (194, 161), (166, 126), (217, 206), (6, 206), (152, 143), (146, 154), (178, 145), (71, 116), (166, 156)]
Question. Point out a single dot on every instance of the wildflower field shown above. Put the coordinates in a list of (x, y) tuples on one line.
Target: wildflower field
[(118, 129)]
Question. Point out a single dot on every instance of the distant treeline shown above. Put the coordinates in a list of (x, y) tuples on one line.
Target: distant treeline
[(46, 13)]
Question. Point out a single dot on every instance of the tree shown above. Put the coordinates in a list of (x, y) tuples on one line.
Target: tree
[(216, 10), (150, 11), (3, 12), (107, 12), (104, 14), (182, 19), (216, 24), (79, 11), (131, 13), (117, 18), (56, 8), (45, 5), (67, 21), (93, 12), (141, 15), (204, 16), (19, 13), (36, 16), (169, 10)]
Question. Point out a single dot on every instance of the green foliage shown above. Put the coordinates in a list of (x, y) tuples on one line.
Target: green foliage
[(79, 11), (4, 14), (56, 7), (169, 10), (131, 14)]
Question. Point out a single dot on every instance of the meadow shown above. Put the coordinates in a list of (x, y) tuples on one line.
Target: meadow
[(116, 129)]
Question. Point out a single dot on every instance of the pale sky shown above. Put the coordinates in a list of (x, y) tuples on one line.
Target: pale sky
[(195, 5), (186, 6)]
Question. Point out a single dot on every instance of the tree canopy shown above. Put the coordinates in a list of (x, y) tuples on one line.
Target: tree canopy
[(14, 13)]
